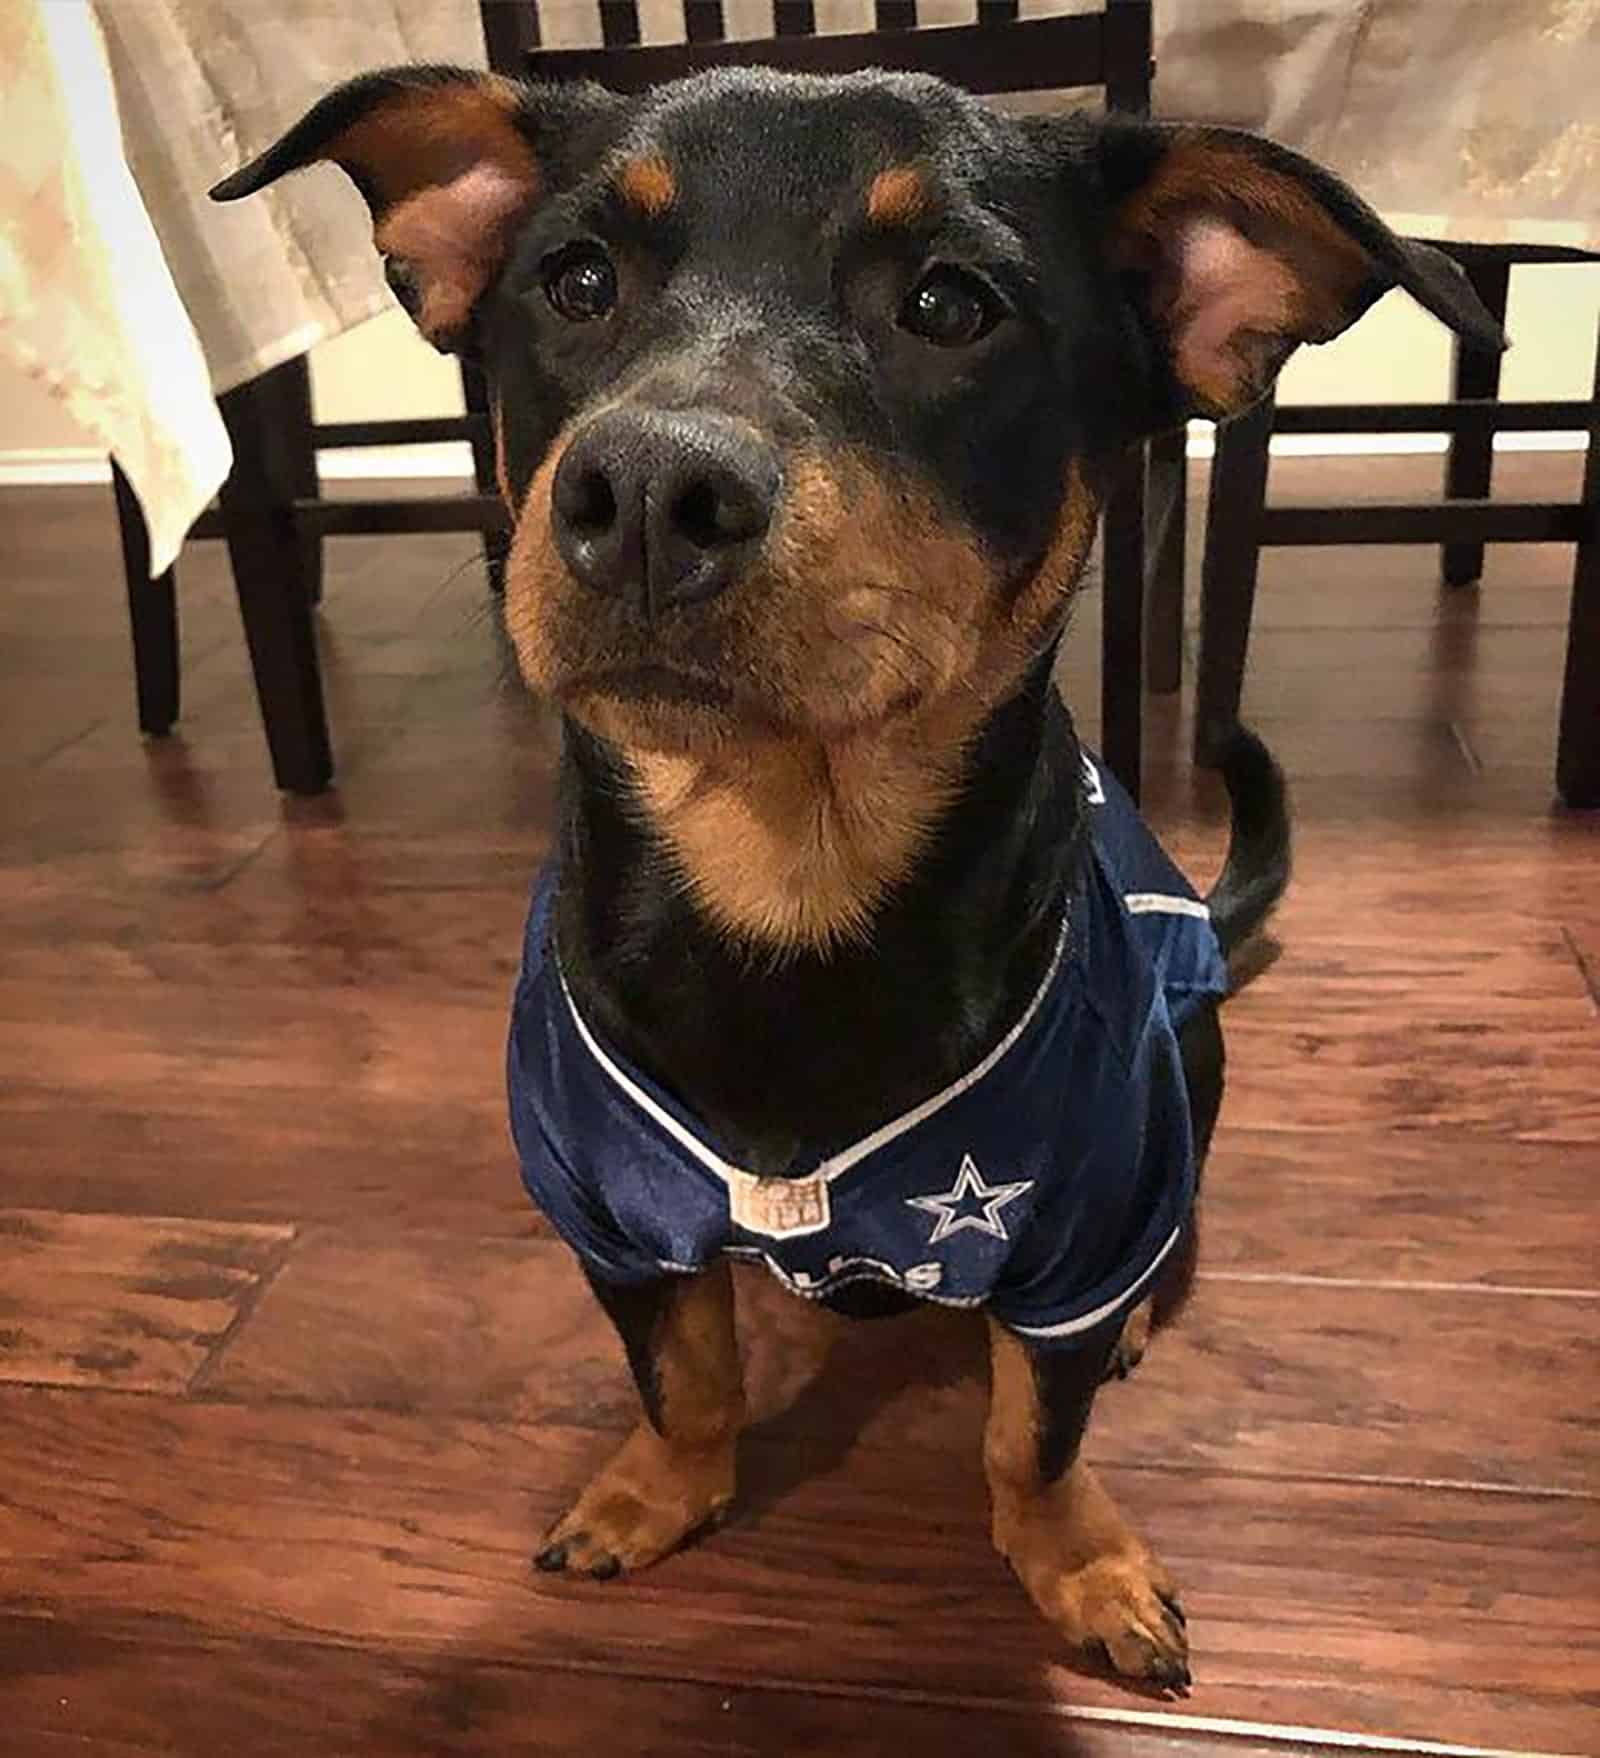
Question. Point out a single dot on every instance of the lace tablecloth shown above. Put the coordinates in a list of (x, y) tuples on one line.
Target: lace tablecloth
[(131, 297)]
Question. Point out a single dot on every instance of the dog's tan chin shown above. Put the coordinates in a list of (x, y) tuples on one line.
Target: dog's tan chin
[(669, 728), (704, 730)]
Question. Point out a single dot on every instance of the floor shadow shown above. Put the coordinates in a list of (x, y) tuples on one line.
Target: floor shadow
[(929, 1366), (453, 1707), (911, 1386)]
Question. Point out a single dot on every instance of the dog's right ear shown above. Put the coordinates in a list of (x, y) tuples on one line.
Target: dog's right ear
[(1237, 250), (449, 160)]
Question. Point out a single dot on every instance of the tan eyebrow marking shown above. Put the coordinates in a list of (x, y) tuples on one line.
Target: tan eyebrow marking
[(897, 196), (648, 183)]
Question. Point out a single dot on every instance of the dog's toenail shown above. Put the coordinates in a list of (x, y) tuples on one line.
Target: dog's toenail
[(1171, 1675), (551, 1558), (605, 1569)]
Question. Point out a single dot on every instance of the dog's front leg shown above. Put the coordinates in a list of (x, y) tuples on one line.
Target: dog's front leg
[(675, 1472), (1090, 1575)]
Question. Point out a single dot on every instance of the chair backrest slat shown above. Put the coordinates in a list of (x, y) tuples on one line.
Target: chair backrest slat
[(619, 24), (703, 21), (1043, 54), (1000, 53)]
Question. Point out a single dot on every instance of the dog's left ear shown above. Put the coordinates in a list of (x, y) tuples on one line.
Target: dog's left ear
[(1239, 250), (449, 161)]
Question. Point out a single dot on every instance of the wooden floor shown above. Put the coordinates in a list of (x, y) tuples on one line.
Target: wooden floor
[(293, 1379)]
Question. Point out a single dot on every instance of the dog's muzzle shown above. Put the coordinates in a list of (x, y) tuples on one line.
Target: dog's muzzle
[(663, 509)]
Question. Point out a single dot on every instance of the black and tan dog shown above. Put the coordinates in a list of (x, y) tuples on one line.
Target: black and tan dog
[(807, 393)]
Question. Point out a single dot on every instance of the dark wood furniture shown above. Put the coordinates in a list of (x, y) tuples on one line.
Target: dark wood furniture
[(1240, 523), (275, 520), (152, 617)]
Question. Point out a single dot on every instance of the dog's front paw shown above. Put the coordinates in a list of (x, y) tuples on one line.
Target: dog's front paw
[(1123, 1609), (641, 1506)]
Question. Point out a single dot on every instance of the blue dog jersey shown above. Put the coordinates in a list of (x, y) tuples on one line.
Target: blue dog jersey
[(1047, 1183)]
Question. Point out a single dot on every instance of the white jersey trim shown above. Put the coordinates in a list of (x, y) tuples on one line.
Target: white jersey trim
[(1161, 903), (836, 1164), (853, 1270), (1086, 1321)]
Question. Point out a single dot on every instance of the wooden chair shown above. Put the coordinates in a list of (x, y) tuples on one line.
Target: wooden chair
[(1240, 523), (275, 522)]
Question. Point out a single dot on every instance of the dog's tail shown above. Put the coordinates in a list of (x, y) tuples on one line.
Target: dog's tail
[(1256, 872)]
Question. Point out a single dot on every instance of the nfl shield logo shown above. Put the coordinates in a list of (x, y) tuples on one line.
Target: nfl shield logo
[(779, 1208)]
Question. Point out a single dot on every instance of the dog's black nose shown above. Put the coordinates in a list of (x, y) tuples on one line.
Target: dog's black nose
[(662, 509)]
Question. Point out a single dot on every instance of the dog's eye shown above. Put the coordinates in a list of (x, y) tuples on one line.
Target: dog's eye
[(950, 309), (581, 284)]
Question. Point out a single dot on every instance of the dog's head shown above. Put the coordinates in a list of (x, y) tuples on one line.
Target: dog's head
[(805, 390)]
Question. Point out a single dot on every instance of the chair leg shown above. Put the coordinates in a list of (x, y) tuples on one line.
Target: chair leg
[(1166, 521), (1469, 465), (299, 432), (1228, 576), (152, 614), (496, 544), (1578, 745), (1122, 625), (266, 555)]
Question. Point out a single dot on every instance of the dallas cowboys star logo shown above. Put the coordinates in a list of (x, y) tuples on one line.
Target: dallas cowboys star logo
[(969, 1203)]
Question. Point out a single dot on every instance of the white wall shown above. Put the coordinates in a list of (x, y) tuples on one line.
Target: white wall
[(1397, 352)]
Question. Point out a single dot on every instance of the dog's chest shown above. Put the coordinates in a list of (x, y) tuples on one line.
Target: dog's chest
[(1044, 1182)]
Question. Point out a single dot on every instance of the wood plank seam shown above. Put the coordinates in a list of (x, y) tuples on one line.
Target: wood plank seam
[(115, 1301), (1335, 1739), (246, 1310), (1464, 745), (1586, 969), (1453, 1486), (51, 752), (1394, 1285), (242, 863)]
